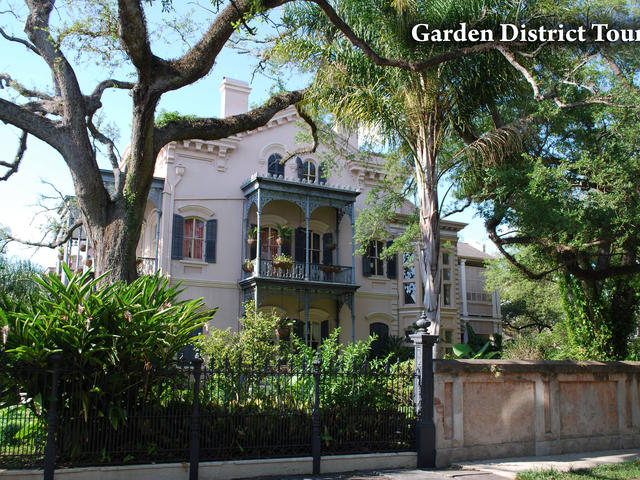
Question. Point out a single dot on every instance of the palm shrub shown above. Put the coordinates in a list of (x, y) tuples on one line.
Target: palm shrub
[(111, 338)]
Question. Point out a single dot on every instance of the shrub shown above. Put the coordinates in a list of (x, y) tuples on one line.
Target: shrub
[(110, 338)]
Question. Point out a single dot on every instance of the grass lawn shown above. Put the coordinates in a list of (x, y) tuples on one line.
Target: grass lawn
[(618, 471)]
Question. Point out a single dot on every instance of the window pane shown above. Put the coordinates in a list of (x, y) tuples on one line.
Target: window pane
[(445, 258), (446, 291), (188, 228), (446, 274), (199, 229), (410, 293), (197, 248)]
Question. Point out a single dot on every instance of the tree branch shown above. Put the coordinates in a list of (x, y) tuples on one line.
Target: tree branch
[(401, 63), (217, 128), (13, 167), (43, 128), (54, 244), (111, 154), (93, 101), (314, 134), (133, 32), (20, 41)]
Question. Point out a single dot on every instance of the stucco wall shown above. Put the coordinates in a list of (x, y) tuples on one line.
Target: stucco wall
[(502, 408)]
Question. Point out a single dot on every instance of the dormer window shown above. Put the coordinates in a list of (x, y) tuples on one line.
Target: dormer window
[(275, 166)]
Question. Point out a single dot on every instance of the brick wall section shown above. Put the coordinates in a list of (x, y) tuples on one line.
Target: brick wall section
[(503, 408)]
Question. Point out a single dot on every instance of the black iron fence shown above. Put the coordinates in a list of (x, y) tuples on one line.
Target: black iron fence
[(194, 412)]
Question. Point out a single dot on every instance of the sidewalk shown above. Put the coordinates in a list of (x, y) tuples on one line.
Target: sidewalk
[(499, 469)]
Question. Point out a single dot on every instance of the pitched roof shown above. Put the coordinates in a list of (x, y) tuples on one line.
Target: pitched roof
[(466, 250)]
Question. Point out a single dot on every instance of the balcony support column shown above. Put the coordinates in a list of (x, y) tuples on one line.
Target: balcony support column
[(306, 250), (306, 316), (353, 317), (258, 239)]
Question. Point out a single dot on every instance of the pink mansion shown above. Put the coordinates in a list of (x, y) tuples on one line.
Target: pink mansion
[(231, 222)]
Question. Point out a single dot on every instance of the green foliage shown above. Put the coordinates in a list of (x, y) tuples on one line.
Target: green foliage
[(17, 278), (619, 471), (253, 344), (528, 306), (110, 337), (165, 118), (477, 347)]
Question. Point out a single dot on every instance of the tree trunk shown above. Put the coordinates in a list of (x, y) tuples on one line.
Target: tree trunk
[(426, 172)]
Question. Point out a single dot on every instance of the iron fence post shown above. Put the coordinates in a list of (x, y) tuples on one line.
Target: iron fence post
[(423, 394), (194, 444), (52, 419), (315, 432)]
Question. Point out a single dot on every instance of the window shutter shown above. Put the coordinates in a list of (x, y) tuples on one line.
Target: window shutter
[(211, 240), (253, 249), (392, 264), (324, 330), (285, 249), (366, 264), (299, 246), (327, 254), (300, 168), (322, 175), (177, 239), (298, 329)]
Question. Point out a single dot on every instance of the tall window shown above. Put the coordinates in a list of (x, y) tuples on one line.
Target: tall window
[(447, 288), (268, 245), (274, 165), (314, 248), (309, 172), (373, 254), (408, 278), (193, 244)]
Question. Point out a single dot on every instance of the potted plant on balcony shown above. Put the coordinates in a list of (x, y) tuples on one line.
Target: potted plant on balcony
[(282, 261), (330, 268), (83, 245), (283, 328), (247, 265), (284, 233), (252, 236), (60, 253)]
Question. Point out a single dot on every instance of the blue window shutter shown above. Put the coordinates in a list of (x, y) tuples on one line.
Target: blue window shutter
[(322, 175), (327, 254), (211, 232), (324, 329), (366, 264), (392, 264), (177, 238), (285, 249), (299, 168), (299, 240)]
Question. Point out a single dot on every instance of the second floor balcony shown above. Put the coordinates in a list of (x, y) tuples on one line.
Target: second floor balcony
[(300, 271)]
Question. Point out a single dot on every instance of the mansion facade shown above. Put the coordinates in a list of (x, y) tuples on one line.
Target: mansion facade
[(231, 222)]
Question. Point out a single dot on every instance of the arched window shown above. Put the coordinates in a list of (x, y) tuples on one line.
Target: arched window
[(274, 165), (193, 243), (309, 171)]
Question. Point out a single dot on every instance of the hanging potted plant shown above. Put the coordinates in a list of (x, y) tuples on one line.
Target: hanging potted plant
[(283, 328), (83, 245), (282, 261), (252, 236), (88, 262), (247, 265), (331, 246), (284, 233), (60, 253)]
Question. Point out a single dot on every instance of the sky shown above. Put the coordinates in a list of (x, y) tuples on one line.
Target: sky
[(20, 195)]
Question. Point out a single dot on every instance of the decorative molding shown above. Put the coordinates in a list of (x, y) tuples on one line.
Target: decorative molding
[(318, 227), (375, 316), (196, 208), (205, 283), (271, 219), (315, 314)]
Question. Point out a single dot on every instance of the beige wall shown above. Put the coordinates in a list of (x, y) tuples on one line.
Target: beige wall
[(496, 409)]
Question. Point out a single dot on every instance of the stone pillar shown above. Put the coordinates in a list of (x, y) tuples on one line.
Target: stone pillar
[(423, 394), (463, 287)]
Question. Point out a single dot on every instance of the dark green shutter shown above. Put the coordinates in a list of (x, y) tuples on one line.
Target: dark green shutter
[(327, 254), (299, 168), (324, 330), (322, 175), (299, 253), (211, 232), (366, 264), (177, 238), (392, 264)]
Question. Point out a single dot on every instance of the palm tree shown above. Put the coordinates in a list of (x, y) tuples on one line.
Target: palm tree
[(415, 112)]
